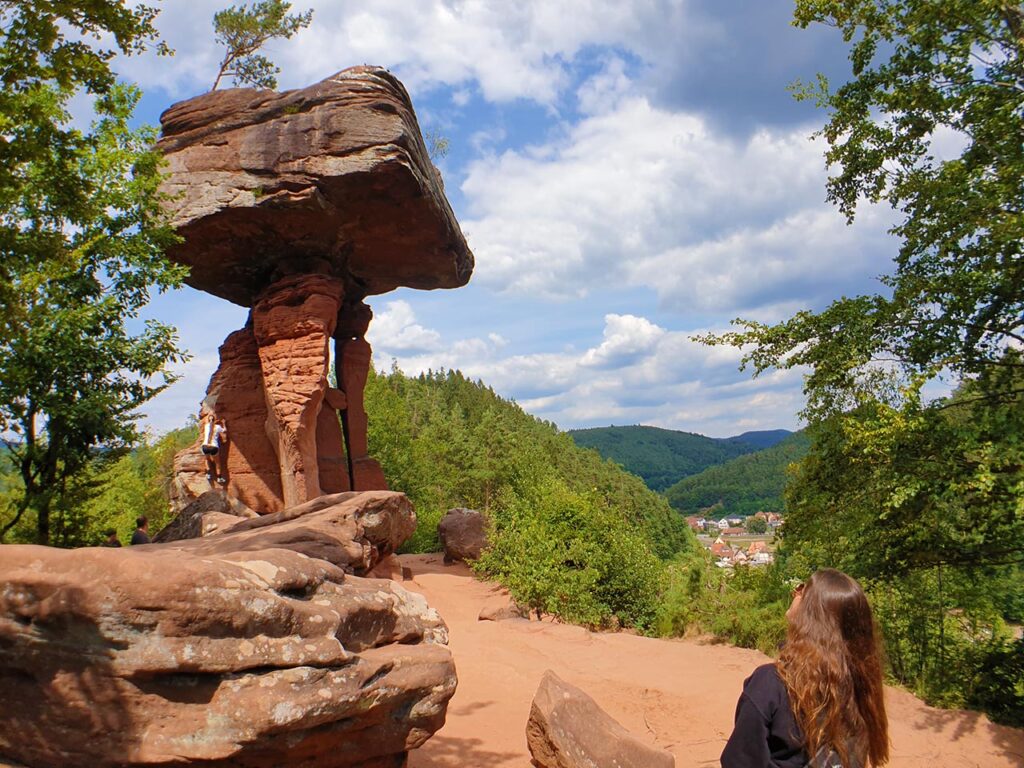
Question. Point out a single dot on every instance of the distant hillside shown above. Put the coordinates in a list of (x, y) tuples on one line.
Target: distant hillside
[(763, 438), (660, 456), (745, 484)]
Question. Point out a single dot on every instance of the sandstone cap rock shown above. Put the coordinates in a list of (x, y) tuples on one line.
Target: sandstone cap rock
[(334, 179)]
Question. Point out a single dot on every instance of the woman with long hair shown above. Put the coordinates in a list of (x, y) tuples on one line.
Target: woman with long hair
[(821, 704)]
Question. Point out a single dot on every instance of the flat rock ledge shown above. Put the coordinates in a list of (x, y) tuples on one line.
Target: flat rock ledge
[(255, 646)]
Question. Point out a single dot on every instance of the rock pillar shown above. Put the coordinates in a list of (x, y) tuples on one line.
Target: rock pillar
[(293, 321), (352, 355)]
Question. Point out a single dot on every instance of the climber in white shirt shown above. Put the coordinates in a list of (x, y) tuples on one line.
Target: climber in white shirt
[(214, 435)]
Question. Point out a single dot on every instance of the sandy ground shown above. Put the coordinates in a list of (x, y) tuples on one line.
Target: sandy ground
[(678, 694)]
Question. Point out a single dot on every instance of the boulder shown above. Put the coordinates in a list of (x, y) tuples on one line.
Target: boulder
[(331, 179), (211, 513), (463, 534), (500, 608), (567, 729), (256, 652), (352, 531)]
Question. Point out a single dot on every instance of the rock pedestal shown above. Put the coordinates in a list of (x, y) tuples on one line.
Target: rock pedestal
[(256, 646), (299, 205), (293, 321)]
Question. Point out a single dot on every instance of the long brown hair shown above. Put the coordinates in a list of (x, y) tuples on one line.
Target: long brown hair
[(832, 668)]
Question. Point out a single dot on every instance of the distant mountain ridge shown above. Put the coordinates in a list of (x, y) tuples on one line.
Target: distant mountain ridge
[(661, 457), (744, 485), (765, 438)]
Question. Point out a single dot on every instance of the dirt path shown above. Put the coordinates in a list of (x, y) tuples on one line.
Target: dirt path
[(679, 694)]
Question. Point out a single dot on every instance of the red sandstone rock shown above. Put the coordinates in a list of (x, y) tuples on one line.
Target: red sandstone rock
[(500, 608), (293, 321), (568, 730), (253, 470), (352, 531), (213, 512), (334, 178), (299, 205), (255, 652)]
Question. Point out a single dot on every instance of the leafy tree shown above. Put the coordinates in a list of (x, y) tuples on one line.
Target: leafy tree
[(756, 525), (921, 495), (82, 237), (243, 31), (922, 72)]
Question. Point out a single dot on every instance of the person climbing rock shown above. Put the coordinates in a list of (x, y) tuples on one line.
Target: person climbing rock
[(214, 434)]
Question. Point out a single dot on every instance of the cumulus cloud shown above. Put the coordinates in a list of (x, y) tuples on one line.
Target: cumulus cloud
[(508, 51), (639, 373), (396, 330), (652, 198), (627, 339)]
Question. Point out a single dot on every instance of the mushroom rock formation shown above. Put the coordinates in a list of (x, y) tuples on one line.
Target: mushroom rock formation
[(299, 205), (264, 649)]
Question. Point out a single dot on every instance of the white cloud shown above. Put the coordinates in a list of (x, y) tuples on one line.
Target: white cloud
[(647, 197), (603, 91), (639, 373), (626, 339), (509, 51), (396, 330)]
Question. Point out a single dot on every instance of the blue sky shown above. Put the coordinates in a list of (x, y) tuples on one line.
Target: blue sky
[(628, 174)]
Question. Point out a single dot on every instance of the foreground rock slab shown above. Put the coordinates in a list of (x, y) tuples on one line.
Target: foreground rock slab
[(261, 651), (567, 729)]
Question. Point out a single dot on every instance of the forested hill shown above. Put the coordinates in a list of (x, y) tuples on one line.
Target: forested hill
[(572, 534), (448, 442), (744, 485), (660, 456)]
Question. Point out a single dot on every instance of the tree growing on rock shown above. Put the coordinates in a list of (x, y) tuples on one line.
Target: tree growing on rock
[(243, 30), (82, 238)]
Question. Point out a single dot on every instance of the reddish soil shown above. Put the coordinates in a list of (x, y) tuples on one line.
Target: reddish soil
[(678, 694)]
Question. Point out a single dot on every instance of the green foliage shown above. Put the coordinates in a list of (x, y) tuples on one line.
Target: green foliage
[(926, 504), (82, 236), (244, 30), (745, 485), (109, 492), (745, 607), (952, 656), (137, 483), (659, 456), (569, 554), (921, 497), (756, 525), (449, 442)]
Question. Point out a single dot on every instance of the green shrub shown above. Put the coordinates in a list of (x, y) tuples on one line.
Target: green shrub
[(745, 607), (568, 554)]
